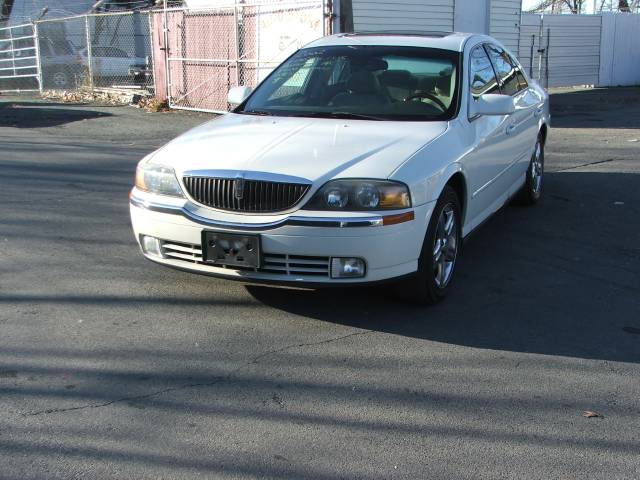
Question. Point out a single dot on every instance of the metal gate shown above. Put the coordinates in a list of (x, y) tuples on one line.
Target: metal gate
[(209, 51), (19, 59)]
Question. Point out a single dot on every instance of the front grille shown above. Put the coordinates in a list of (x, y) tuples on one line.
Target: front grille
[(254, 195), (272, 263)]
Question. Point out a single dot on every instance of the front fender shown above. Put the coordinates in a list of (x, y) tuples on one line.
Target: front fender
[(429, 170)]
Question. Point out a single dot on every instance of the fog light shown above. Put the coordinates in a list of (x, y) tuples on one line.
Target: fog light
[(151, 246), (347, 268)]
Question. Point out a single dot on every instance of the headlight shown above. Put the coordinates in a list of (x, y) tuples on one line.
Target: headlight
[(359, 195), (158, 179)]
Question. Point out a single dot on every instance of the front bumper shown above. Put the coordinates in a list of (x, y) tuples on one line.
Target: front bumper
[(296, 248)]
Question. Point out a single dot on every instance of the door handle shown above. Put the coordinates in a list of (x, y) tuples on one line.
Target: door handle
[(510, 129), (538, 112)]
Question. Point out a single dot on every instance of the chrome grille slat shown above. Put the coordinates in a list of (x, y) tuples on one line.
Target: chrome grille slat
[(274, 263), (182, 248), (183, 256), (180, 251), (309, 261), (307, 270), (258, 196)]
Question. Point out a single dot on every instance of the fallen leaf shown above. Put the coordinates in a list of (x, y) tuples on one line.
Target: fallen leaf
[(591, 414)]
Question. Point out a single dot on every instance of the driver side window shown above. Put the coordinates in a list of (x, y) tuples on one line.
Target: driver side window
[(482, 76)]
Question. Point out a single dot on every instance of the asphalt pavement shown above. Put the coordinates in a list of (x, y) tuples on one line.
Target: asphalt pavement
[(112, 367)]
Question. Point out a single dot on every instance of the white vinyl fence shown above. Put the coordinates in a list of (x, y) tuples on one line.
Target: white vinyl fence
[(566, 48), (569, 50), (620, 50)]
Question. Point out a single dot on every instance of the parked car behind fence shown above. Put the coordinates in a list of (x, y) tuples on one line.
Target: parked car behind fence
[(62, 68), (112, 64)]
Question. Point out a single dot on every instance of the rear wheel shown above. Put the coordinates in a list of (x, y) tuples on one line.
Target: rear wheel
[(57, 78), (532, 188), (439, 254)]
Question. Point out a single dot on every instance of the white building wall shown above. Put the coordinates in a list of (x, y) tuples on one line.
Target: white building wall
[(500, 18), (403, 15), (471, 16), (504, 22)]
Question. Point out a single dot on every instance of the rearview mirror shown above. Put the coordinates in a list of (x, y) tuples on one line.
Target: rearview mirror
[(492, 104), (237, 95)]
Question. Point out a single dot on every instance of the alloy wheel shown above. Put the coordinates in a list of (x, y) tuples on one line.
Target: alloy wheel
[(445, 246), (60, 79), (537, 169)]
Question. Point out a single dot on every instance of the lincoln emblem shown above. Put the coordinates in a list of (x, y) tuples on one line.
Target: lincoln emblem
[(238, 187)]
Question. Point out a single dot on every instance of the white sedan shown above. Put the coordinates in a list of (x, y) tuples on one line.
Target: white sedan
[(362, 158)]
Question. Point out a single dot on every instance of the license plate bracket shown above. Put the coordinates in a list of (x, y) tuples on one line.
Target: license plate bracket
[(231, 249)]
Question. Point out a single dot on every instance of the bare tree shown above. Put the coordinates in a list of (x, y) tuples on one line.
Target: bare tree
[(557, 6), (577, 6), (628, 6)]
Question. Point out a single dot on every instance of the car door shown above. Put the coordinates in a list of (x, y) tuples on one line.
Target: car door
[(111, 63), (97, 61), (488, 152), (529, 98), (120, 62), (521, 130)]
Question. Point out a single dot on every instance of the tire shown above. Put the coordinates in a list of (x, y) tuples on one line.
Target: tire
[(59, 79), (532, 188), (436, 265)]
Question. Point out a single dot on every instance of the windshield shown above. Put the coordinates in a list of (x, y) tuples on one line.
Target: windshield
[(369, 82)]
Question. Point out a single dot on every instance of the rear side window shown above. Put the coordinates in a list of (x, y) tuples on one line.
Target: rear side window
[(483, 78), (45, 49), (108, 52), (507, 73)]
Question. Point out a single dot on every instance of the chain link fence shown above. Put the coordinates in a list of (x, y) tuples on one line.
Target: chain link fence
[(208, 52), (191, 57), (96, 52)]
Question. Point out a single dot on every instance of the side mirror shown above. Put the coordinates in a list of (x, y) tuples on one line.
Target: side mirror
[(237, 95), (492, 104)]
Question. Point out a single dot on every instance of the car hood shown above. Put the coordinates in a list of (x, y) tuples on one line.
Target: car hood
[(315, 149)]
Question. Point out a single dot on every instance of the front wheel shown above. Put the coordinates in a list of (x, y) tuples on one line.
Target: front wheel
[(532, 188), (440, 251)]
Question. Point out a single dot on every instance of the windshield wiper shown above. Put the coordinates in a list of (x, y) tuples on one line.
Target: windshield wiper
[(263, 113), (357, 116)]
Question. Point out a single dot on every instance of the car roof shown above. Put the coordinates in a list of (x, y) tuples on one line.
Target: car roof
[(454, 41)]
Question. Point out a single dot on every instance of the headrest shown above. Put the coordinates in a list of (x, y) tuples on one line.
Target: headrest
[(362, 81), (399, 79)]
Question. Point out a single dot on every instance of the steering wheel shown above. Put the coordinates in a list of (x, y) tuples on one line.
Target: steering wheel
[(428, 96)]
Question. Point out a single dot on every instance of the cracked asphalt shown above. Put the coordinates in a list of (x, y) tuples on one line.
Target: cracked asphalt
[(115, 368)]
